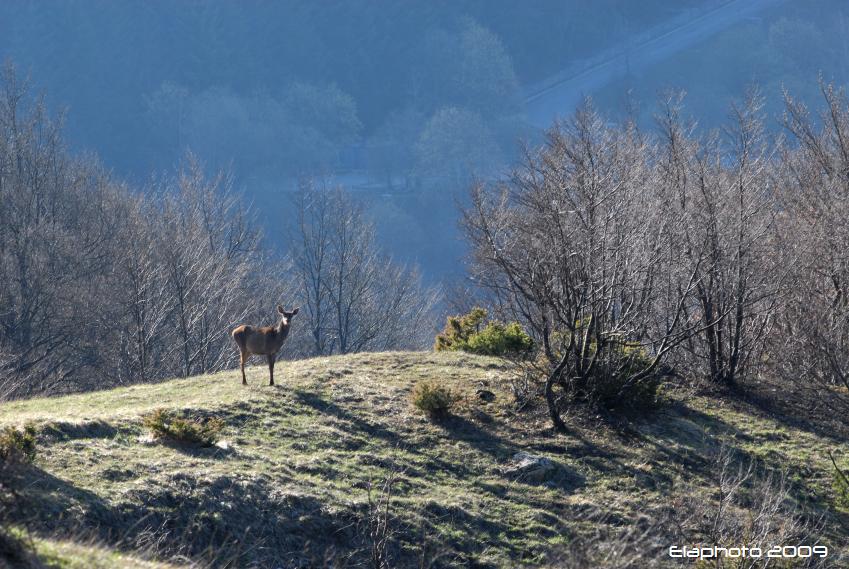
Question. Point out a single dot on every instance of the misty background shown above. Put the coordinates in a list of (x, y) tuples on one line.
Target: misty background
[(401, 103)]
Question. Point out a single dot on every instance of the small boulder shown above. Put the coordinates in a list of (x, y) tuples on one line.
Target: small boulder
[(530, 468), (485, 395)]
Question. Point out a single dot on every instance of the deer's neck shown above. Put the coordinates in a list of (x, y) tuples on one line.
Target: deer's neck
[(282, 328)]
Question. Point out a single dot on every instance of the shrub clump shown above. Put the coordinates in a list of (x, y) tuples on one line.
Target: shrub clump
[(609, 388), (468, 334), (433, 399), (18, 445), (166, 425), (610, 384), (644, 396)]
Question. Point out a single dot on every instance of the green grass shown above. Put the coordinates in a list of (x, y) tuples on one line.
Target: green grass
[(290, 473), (70, 555), (64, 554)]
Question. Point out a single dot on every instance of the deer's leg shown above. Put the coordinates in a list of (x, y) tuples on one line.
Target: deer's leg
[(243, 356), (270, 369)]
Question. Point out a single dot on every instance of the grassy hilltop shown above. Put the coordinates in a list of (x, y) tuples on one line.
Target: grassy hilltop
[(300, 467)]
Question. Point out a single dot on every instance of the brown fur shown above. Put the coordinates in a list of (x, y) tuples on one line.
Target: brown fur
[(263, 341)]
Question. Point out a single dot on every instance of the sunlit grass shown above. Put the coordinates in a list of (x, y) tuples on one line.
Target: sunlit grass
[(334, 425)]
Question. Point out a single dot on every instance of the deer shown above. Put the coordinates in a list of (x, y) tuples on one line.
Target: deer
[(263, 341)]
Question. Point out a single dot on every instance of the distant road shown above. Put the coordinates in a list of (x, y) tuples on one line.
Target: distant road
[(559, 95)]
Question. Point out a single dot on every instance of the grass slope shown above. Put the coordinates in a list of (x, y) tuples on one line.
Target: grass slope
[(292, 479)]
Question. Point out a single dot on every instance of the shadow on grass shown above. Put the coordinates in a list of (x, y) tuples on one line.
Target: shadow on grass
[(17, 552), (215, 522), (688, 439), (472, 534), (455, 427), (357, 427), (315, 401), (197, 450), (800, 411), (64, 431), (461, 429), (48, 503)]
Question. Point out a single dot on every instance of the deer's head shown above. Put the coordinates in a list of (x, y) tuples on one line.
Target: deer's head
[(286, 317)]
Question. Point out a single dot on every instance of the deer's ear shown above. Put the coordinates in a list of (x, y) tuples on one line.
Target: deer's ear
[(280, 309), (295, 311)]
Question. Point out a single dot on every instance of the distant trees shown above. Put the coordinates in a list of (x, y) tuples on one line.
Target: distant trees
[(469, 89), (320, 122), (300, 131), (455, 146), (391, 150), (468, 67), (354, 298)]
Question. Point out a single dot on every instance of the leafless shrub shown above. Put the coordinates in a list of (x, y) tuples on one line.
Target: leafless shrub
[(526, 382), (580, 245), (379, 524), (745, 507), (607, 543)]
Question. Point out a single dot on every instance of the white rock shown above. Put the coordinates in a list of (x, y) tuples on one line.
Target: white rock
[(530, 468), (147, 439)]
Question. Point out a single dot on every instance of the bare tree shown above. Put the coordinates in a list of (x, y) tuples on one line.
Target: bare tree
[(355, 298), (54, 223), (723, 190), (207, 253), (310, 242), (812, 343), (102, 286), (145, 303)]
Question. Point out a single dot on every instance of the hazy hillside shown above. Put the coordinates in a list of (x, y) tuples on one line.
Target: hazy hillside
[(379, 95), (288, 484), (788, 47)]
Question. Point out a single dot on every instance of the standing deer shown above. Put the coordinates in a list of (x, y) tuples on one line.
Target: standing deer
[(265, 341)]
